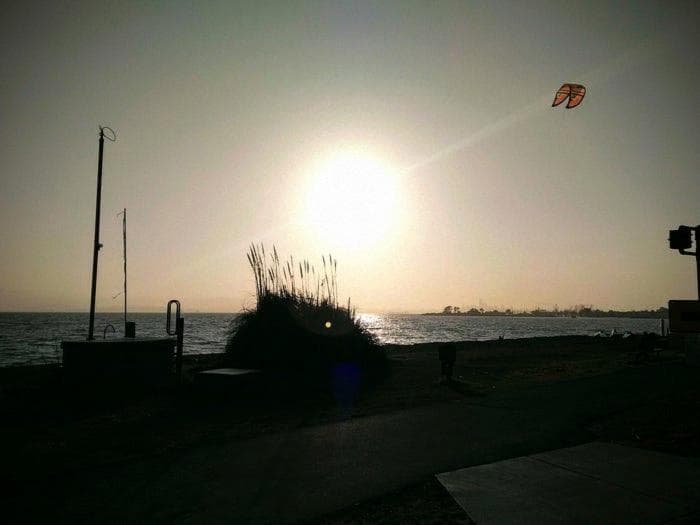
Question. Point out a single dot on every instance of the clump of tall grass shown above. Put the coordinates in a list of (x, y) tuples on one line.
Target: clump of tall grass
[(298, 325)]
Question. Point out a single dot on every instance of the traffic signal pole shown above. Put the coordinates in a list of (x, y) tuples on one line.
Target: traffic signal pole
[(680, 240), (697, 256), (696, 253)]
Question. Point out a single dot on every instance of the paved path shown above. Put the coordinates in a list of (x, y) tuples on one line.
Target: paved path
[(592, 483), (309, 471)]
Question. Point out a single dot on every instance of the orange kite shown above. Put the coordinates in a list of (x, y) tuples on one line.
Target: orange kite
[(574, 92)]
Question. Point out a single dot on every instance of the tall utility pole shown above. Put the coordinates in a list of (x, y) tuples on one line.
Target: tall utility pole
[(97, 245)]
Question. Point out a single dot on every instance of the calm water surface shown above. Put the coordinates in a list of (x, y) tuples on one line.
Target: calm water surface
[(34, 338)]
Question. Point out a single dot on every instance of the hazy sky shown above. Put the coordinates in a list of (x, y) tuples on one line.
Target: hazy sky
[(231, 120)]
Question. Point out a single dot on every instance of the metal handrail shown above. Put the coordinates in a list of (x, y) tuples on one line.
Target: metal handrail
[(169, 315), (179, 332)]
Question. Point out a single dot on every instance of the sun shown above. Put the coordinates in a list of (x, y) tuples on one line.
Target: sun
[(352, 202)]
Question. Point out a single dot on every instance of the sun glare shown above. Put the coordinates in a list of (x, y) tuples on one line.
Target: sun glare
[(352, 201)]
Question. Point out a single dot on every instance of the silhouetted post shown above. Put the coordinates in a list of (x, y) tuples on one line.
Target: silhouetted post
[(447, 355), (180, 329), (97, 245)]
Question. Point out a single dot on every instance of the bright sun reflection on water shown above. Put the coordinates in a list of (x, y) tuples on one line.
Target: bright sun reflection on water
[(352, 201)]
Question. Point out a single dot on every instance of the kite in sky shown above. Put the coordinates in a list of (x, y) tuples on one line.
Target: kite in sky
[(574, 92)]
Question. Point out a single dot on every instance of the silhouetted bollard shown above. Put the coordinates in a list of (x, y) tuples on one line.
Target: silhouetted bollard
[(130, 329), (448, 355)]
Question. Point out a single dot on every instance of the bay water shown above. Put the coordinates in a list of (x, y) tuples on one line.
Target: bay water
[(34, 338)]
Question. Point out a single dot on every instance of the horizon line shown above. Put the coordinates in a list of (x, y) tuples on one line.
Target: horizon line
[(376, 312)]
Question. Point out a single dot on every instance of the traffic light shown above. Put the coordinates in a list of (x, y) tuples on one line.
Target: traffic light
[(680, 239)]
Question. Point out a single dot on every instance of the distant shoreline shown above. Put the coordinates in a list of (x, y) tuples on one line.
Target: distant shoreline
[(545, 314)]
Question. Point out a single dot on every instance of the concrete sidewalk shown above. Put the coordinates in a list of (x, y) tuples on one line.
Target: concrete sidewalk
[(591, 483)]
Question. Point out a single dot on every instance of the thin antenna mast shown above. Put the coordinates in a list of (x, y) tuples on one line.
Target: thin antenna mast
[(124, 237)]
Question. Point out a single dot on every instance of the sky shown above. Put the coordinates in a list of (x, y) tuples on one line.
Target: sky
[(415, 141)]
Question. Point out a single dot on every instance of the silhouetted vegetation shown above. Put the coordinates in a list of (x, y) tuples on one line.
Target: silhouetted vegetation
[(298, 328), (577, 311)]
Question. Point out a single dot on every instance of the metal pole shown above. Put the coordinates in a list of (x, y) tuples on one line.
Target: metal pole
[(124, 235), (97, 245)]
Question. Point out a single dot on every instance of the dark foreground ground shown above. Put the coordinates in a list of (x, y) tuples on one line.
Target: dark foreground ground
[(192, 456)]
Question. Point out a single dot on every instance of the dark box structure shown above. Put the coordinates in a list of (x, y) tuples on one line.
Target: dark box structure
[(128, 361)]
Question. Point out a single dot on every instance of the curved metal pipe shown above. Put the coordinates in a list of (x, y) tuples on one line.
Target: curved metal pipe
[(104, 334)]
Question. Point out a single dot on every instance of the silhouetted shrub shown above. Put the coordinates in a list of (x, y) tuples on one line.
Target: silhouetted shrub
[(298, 329)]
